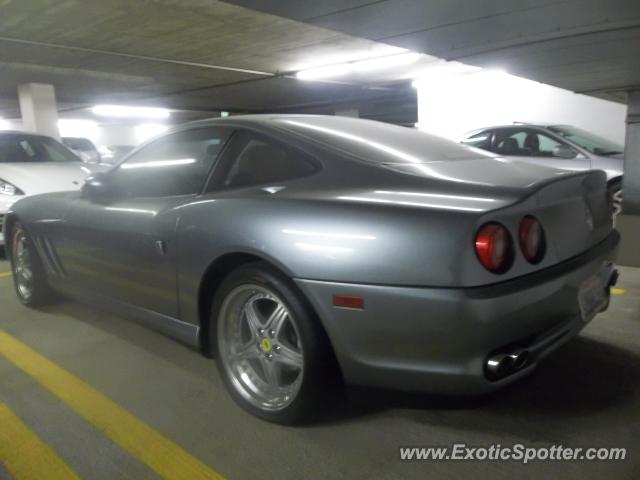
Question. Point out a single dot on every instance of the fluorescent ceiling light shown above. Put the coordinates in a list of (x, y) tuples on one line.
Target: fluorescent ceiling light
[(320, 60), (389, 61), (123, 111), (325, 72), (357, 66)]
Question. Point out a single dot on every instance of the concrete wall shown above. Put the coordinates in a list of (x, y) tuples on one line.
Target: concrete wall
[(454, 105)]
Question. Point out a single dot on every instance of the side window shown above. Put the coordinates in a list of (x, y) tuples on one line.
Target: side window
[(529, 143), (548, 146), (177, 164), (55, 152), (512, 142), (253, 159), (480, 140)]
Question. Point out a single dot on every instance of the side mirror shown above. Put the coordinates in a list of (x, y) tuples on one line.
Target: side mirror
[(563, 151), (96, 187)]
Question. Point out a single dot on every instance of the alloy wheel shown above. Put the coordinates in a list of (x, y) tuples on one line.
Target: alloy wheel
[(260, 347), (22, 265)]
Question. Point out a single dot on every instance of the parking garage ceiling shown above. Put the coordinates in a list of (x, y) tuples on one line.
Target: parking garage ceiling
[(587, 46), (193, 55), (202, 56)]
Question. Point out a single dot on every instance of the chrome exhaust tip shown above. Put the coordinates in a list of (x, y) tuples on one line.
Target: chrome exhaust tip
[(519, 358), (499, 365)]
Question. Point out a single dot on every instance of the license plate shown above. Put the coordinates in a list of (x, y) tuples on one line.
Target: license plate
[(593, 294)]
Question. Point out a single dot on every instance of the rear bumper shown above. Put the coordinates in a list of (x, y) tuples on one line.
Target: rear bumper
[(438, 339)]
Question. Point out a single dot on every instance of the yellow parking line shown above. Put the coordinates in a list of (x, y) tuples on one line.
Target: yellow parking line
[(618, 291), (166, 458), (24, 455), (5, 274)]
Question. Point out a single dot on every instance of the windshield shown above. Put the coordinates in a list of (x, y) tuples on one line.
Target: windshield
[(588, 141), (79, 144), (20, 148)]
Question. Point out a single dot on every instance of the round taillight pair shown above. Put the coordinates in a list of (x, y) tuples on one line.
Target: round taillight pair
[(494, 245), (532, 240)]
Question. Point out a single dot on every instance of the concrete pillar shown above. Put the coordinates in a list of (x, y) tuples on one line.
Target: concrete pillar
[(632, 156), (629, 222), (38, 108)]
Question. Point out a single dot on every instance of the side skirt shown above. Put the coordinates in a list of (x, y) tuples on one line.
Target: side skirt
[(184, 332)]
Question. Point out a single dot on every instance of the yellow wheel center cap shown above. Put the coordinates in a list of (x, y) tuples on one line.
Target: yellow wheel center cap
[(265, 345)]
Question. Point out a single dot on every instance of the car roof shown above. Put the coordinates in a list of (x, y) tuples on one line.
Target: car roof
[(368, 140), (509, 125), (254, 118), (513, 125)]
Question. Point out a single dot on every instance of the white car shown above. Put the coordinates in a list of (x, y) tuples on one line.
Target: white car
[(559, 146), (32, 164)]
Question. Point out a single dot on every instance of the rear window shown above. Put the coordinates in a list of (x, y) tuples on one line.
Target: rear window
[(378, 142), (18, 148)]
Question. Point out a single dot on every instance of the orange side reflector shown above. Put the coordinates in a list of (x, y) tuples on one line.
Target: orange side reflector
[(348, 301)]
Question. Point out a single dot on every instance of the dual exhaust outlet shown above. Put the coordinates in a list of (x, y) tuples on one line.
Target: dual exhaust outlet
[(502, 364)]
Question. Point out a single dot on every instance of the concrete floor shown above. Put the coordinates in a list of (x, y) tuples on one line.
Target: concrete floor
[(586, 394)]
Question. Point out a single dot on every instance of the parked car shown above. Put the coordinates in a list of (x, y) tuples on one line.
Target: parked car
[(32, 164), (114, 153), (83, 148), (559, 146), (300, 250)]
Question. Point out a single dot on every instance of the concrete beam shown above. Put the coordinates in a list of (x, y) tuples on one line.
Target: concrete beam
[(632, 156), (629, 223)]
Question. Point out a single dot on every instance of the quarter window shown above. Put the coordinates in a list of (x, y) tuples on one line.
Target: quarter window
[(254, 159), (177, 164)]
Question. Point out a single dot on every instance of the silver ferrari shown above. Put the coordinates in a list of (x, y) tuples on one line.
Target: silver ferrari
[(306, 251)]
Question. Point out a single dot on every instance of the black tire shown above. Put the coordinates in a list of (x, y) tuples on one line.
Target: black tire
[(320, 377), (40, 292)]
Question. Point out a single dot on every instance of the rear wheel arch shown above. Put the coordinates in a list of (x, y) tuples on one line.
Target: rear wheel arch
[(215, 274)]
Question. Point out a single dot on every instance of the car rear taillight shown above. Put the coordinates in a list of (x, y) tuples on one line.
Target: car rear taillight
[(494, 247), (532, 241)]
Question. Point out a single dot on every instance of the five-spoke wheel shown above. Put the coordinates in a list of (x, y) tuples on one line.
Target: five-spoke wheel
[(272, 352), (260, 347), (22, 269), (28, 275)]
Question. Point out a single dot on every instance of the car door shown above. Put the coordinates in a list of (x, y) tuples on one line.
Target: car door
[(533, 145), (252, 166), (122, 245)]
